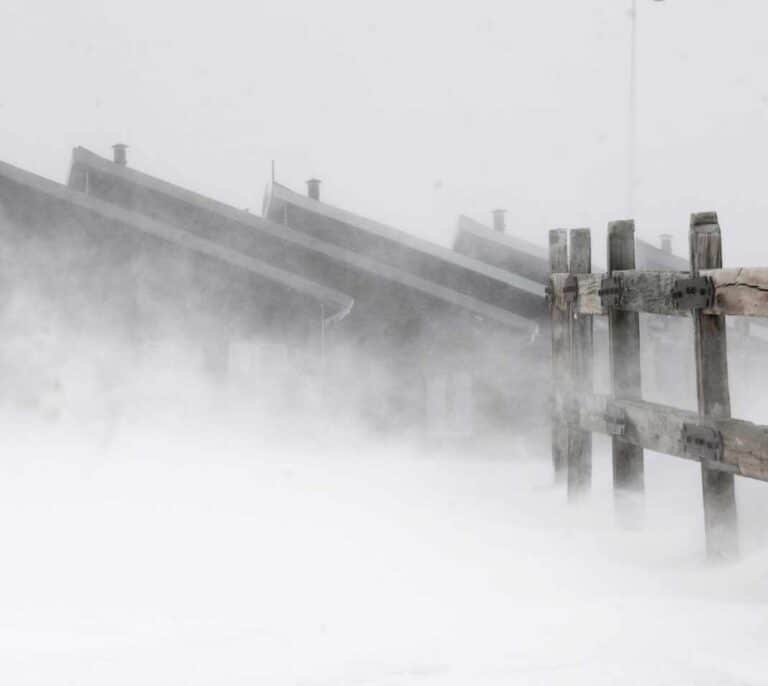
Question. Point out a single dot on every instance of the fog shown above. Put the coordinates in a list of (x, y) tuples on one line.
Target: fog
[(165, 525), (411, 112), (188, 498), (205, 542)]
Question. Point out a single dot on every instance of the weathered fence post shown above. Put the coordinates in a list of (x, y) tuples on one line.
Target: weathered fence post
[(720, 519), (558, 264), (624, 333), (579, 441)]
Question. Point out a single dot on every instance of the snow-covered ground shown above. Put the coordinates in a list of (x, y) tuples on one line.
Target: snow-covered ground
[(205, 546)]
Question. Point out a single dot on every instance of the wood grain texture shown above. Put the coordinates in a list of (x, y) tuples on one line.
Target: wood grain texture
[(714, 399), (642, 291), (588, 300), (558, 262), (648, 425), (624, 336), (746, 447), (649, 292), (739, 291), (660, 428), (580, 441)]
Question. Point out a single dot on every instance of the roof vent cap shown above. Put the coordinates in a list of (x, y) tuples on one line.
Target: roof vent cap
[(500, 220), (313, 188), (119, 154)]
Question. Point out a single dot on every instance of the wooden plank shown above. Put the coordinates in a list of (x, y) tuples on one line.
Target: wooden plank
[(739, 291), (650, 292), (660, 428), (557, 284), (745, 448), (647, 425), (579, 441), (642, 291), (720, 518), (624, 336), (588, 299), (558, 262)]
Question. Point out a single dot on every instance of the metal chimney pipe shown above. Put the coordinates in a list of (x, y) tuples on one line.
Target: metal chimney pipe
[(119, 154), (500, 220), (666, 243), (313, 188)]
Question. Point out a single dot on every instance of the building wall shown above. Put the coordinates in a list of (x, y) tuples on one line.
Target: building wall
[(381, 357), (105, 276)]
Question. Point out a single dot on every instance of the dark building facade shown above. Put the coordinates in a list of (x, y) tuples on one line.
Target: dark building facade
[(478, 371), (423, 317), (502, 250), (390, 246), (103, 272)]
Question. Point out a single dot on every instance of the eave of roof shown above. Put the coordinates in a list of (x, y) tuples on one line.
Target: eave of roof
[(337, 301), (86, 158), (277, 193)]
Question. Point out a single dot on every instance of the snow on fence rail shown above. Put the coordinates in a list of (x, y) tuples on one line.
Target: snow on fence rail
[(724, 446)]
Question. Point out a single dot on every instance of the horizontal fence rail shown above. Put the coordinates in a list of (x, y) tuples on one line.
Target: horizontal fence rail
[(725, 447), (728, 445), (737, 292)]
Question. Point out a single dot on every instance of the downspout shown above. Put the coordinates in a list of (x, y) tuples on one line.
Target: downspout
[(326, 322)]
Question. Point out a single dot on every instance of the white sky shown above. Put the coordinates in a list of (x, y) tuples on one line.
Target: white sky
[(411, 112)]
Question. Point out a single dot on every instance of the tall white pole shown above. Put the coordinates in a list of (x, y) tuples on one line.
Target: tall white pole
[(632, 120)]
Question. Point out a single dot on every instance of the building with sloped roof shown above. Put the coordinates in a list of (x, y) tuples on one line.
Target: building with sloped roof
[(502, 250), (420, 311), (102, 270), (293, 250), (506, 370), (411, 254)]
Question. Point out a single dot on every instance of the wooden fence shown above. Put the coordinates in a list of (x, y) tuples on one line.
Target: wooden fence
[(707, 293)]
